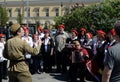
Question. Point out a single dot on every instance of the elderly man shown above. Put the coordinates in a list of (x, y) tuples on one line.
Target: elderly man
[(15, 50), (60, 41)]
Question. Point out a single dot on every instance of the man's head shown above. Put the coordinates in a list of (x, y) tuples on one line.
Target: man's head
[(16, 29), (35, 37), (61, 28), (117, 27)]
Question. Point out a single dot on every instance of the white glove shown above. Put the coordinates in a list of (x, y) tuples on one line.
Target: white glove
[(28, 56), (1, 59)]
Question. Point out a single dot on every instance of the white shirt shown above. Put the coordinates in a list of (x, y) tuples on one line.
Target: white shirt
[(46, 42), (29, 40), (1, 52), (74, 38), (41, 35)]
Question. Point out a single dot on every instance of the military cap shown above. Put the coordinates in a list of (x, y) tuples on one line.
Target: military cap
[(2, 35), (101, 32), (90, 34), (75, 31), (61, 26), (26, 30), (83, 29), (46, 31), (14, 27), (40, 29)]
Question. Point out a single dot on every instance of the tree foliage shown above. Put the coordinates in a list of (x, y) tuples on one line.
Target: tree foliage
[(100, 15), (3, 16)]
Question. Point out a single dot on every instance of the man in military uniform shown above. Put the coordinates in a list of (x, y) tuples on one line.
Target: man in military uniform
[(15, 50), (60, 41)]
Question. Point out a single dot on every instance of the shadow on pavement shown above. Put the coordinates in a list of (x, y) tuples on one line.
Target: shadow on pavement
[(59, 76)]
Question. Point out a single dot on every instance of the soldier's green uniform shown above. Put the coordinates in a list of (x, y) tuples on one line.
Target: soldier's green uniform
[(15, 50)]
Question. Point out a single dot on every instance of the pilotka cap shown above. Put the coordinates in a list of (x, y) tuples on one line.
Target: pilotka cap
[(14, 27)]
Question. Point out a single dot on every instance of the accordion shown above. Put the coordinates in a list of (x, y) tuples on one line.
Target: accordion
[(78, 57)]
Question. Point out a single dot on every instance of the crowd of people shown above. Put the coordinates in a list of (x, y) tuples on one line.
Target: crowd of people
[(80, 54)]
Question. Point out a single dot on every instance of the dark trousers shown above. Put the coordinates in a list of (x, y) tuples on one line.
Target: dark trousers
[(77, 70), (29, 61), (61, 61), (47, 62), (36, 64), (4, 70), (1, 64)]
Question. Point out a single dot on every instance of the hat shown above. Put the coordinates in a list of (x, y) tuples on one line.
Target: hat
[(75, 31), (46, 31), (40, 29), (90, 34), (2, 35), (101, 32), (14, 27), (113, 32), (61, 26), (26, 30), (83, 29)]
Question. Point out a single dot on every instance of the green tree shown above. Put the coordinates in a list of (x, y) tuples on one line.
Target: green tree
[(101, 15), (59, 20), (3, 16)]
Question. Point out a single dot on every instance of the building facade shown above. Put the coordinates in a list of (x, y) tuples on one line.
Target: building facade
[(40, 11)]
